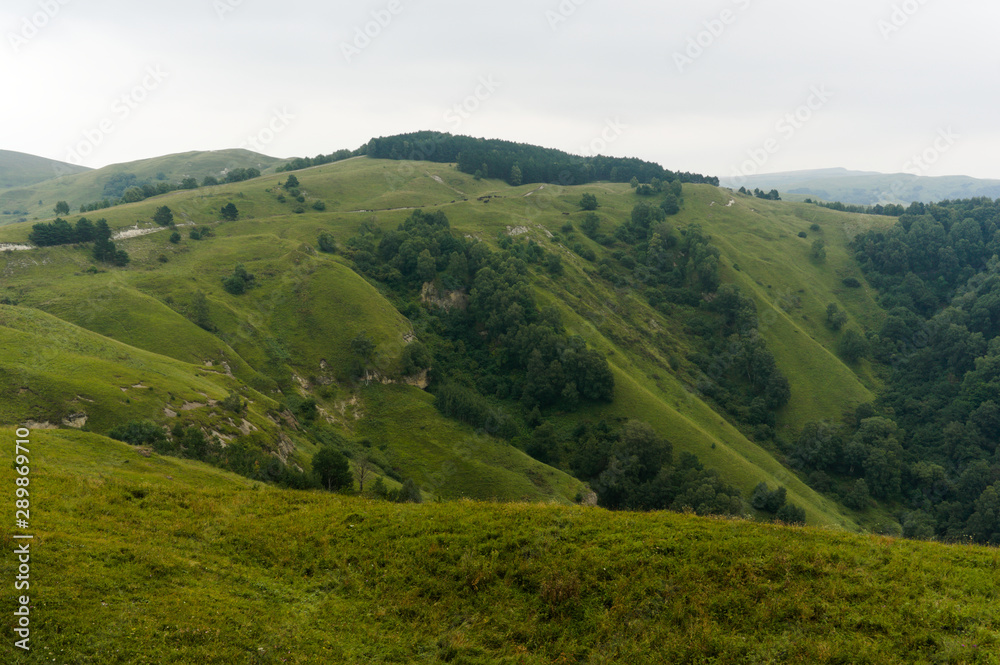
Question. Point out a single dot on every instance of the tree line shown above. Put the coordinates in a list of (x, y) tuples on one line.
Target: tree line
[(520, 163)]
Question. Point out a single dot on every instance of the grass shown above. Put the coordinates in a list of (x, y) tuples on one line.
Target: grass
[(153, 560)]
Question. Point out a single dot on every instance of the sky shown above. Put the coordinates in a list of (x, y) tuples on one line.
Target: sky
[(725, 88)]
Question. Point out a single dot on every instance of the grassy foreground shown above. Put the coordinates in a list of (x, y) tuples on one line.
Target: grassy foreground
[(157, 560)]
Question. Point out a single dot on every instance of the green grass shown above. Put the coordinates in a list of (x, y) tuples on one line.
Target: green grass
[(157, 560)]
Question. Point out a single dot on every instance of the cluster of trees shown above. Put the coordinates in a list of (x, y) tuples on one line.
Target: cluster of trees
[(631, 467), (492, 158), (929, 444), (738, 370), (298, 163), (125, 187), (61, 232), (239, 282), (772, 195), (500, 347), (888, 209)]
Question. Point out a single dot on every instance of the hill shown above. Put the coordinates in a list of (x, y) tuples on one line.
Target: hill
[(151, 559), (83, 186), (290, 337), (18, 169), (867, 187)]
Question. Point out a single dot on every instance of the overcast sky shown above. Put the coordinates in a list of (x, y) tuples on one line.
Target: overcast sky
[(720, 87)]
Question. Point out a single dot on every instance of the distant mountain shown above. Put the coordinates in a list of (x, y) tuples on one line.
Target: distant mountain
[(36, 199), (19, 169), (867, 187)]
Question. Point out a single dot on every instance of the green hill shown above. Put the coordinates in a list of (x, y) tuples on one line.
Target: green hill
[(18, 169), (297, 324), (319, 318), (150, 559), (36, 197)]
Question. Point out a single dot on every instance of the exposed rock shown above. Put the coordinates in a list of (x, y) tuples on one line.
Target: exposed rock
[(77, 420), (430, 295)]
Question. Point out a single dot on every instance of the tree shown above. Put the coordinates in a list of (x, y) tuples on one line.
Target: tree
[(291, 182), (588, 202), (363, 470), (175, 237), (209, 181), (332, 469), (319, 205), (554, 264), (239, 281), (189, 183), (670, 205), (199, 313), (62, 208), (590, 224), (409, 492), (363, 348), (229, 212), (326, 243), (515, 175), (835, 317), (818, 251), (163, 216), (852, 346)]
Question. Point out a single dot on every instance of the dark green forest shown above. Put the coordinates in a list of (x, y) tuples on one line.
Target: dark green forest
[(520, 163), (928, 446)]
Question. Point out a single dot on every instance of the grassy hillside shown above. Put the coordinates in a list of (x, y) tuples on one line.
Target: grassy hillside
[(36, 198), (18, 169), (157, 560), (297, 323)]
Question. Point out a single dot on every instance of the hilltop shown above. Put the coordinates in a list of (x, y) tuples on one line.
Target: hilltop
[(79, 186), (18, 169)]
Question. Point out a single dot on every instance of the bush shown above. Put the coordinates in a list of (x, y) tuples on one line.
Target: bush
[(319, 205), (326, 243)]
